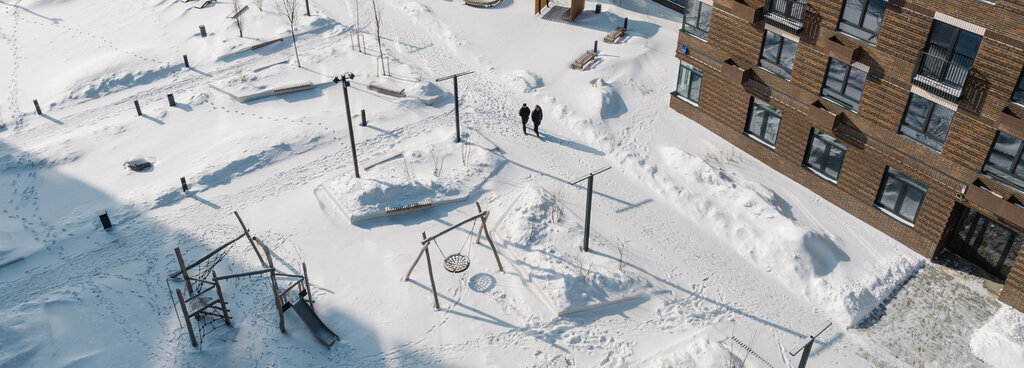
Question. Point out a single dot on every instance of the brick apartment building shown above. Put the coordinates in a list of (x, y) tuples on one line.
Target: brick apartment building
[(909, 114)]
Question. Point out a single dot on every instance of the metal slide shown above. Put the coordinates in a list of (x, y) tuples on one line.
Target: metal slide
[(322, 333)]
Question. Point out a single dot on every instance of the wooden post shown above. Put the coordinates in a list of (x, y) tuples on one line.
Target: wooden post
[(184, 271), (188, 320), (273, 282), (220, 295), (491, 243), (418, 256), (252, 243), (138, 108), (481, 232), (309, 292), (38, 109), (430, 270)]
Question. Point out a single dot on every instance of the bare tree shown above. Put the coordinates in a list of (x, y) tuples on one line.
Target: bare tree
[(380, 46), (238, 17), (259, 5), (289, 10)]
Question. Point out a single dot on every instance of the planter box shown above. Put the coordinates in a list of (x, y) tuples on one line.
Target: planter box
[(1011, 124), (838, 51), (743, 11), (734, 73)]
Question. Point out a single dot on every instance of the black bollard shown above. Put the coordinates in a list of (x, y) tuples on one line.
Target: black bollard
[(184, 185), (202, 31), (597, 9), (595, 47), (186, 61), (138, 108), (170, 99), (38, 109), (625, 24), (105, 220), (362, 114)]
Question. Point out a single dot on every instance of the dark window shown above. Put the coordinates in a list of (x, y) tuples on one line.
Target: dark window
[(1018, 92), (863, 18), (844, 84), (688, 84), (763, 122), (926, 122), (1004, 160), (900, 195), (987, 243), (949, 55), (778, 54), (697, 19), (824, 155)]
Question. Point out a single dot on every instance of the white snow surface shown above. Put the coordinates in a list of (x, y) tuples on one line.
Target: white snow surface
[(693, 244), (1000, 342)]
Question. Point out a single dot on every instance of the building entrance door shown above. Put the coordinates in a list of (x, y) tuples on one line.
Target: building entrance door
[(991, 246)]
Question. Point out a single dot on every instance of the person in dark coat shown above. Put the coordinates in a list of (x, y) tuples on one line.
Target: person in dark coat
[(524, 113), (537, 116)]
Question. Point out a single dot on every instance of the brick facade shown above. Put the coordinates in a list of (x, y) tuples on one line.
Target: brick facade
[(872, 132)]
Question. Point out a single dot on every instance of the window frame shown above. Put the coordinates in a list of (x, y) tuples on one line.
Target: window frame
[(1005, 176), (769, 111), (873, 40), (1017, 96), (830, 144), (927, 123), (686, 17), (840, 97), (951, 58), (694, 71), (784, 72), (906, 183)]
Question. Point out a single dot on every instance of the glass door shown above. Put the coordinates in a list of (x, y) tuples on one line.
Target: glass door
[(991, 246)]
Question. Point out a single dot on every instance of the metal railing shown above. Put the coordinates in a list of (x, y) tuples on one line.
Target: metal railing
[(786, 14), (942, 73)]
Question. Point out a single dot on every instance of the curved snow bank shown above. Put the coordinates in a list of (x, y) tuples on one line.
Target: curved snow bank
[(547, 248), (106, 74), (522, 81), (1000, 342), (847, 280)]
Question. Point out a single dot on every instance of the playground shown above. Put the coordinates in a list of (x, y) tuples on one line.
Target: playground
[(211, 184)]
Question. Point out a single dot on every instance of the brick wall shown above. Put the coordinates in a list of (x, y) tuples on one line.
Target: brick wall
[(906, 25)]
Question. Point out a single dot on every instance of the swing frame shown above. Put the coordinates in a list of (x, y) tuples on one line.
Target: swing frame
[(425, 248)]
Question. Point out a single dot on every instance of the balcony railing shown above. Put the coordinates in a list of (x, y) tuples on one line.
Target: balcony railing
[(786, 14), (942, 73)]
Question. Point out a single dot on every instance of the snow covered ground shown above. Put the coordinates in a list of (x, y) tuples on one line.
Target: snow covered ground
[(700, 255)]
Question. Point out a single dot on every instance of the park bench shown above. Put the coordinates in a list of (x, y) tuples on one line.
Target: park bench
[(482, 3), (584, 60), (294, 88), (615, 35), (262, 44), (205, 4), (390, 91)]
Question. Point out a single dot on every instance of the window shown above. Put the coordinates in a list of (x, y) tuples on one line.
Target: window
[(1018, 92), (1004, 160), (946, 60), (688, 85), (900, 196), (862, 19), (824, 155), (844, 84), (697, 19), (926, 122), (778, 54), (987, 243), (763, 122)]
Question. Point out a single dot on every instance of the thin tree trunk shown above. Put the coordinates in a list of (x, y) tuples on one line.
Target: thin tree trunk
[(295, 46)]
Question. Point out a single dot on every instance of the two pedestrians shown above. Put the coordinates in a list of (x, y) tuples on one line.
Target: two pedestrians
[(536, 116)]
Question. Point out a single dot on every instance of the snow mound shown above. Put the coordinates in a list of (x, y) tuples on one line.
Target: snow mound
[(603, 98), (547, 246), (701, 349), (847, 280), (521, 80), (1000, 342), (106, 74)]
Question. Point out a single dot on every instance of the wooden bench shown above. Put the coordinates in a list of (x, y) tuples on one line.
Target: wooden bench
[(386, 90), (584, 60), (294, 88), (205, 4), (615, 35), (262, 44), (482, 3)]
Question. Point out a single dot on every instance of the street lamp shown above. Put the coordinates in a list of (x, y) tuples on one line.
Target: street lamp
[(455, 80), (345, 78)]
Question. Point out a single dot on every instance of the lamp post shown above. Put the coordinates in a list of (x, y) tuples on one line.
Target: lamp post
[(345, 78), (455, 80), (590, 194)]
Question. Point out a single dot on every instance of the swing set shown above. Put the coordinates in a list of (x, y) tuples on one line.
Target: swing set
[(456, 262)]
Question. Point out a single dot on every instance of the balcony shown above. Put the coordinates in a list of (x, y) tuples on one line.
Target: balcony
[(786, 14), (941, 74)]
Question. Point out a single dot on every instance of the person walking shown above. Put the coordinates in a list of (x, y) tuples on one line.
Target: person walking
[(537, 115), (524, 113)]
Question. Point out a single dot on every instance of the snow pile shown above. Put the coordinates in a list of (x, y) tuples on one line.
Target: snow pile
[(847, 280), (547, 247), (698, 350), (522, 81), (435, 170), (604, 98), (105, 74), (1000, 342)]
